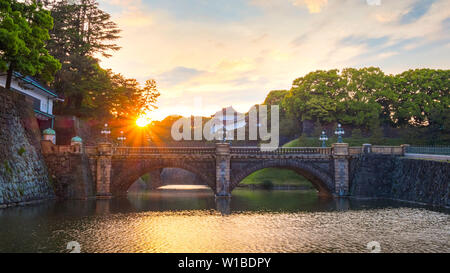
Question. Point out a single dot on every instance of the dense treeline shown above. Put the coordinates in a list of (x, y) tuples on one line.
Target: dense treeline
[(24, 28), (81, 32), (367, 100), (59, 41)]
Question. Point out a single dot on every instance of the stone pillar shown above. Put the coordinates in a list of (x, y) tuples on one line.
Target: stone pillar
[(341, 175), (49, 134), (104, 170), (223, 205), (223, 170), (367, 148)]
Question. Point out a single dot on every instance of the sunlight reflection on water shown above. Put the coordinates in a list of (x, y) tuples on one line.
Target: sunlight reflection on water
[(259, 221)]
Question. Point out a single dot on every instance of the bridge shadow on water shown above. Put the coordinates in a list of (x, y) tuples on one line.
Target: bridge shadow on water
[(243, 201), (196, 198)]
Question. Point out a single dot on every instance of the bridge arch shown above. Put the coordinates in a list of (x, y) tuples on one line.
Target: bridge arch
[(125, 172), (318, 176)]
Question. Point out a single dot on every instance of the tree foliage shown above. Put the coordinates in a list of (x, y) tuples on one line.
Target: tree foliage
[(366, 98), (83, 32), (421, 94), (24, 29), (315, 96)]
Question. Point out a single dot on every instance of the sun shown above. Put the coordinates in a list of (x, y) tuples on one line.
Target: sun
[(143, 121)]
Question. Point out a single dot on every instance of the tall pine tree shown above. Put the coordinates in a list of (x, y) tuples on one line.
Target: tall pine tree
[(82, 31)]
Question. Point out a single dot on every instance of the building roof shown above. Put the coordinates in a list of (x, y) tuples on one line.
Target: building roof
[(35, 83), (49, 131), (229, 114), (77, 139)]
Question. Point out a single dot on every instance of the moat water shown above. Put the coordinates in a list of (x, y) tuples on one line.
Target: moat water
[(253, 221)]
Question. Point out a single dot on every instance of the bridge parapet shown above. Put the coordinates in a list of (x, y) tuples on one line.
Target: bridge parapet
[(282, 151), (234, 151), (49, 148), (125, 151), (355, 150), (388, 150), (375, 149)]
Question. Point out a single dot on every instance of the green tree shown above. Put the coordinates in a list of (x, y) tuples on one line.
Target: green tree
[(275, 97), (112, 95), (289, 126), (24, 29), (420, 93), (315, 96), (127, 100), (82, 31), (358, 104)]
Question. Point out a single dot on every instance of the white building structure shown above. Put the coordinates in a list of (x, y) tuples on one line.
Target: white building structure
[(229, 119), (41, 96)]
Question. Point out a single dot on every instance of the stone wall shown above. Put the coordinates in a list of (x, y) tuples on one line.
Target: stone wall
[(414, 180), (70, 174), (23, 173)]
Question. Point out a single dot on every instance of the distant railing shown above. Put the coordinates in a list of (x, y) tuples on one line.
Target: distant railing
[(162, 150), (387, 150), (434, 150), (282, 150), (352, 151)]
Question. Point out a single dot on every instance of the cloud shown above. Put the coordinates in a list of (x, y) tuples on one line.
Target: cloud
[(386, 54), (419, 9), (237, 61), (373, 2), (178, 75), (314, 6), (369, 41)]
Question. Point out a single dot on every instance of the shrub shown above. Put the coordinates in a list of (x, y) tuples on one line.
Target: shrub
[(267, 184), (356, 133), (21, 151)]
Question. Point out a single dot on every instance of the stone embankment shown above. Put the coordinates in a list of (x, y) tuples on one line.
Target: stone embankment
[(23, 174), (400, 178)]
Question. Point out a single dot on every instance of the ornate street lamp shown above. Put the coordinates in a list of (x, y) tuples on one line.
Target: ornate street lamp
[(323, 137), (106, 131), (339, 132), (121, 138)]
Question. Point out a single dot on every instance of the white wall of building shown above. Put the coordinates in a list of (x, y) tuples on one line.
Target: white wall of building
[(32, 91)]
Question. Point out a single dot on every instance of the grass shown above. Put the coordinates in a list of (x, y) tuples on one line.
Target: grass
[(352, 141), (278, 177)]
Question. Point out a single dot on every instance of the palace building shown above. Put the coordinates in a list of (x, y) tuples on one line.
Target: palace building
[(229, 119), (40, 95)]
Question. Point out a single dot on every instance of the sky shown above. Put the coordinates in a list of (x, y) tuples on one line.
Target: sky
[(209, 54)]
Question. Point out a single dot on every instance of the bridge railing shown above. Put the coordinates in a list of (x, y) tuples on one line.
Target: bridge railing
[(387, 150), (355, 150), (90, 150), (434, 150), (162, 150), (283, 150)]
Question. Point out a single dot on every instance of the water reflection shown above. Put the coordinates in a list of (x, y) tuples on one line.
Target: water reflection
[(251, 221), (223, 204)]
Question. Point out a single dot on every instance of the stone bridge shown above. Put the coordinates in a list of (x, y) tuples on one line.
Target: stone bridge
[(223, 167), (79, 172)]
